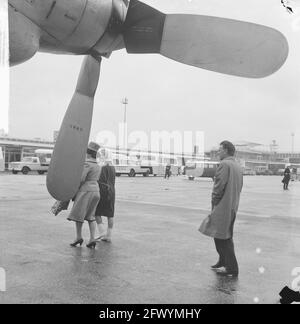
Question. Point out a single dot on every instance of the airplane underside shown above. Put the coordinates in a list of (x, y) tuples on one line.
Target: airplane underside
[(65, 27)]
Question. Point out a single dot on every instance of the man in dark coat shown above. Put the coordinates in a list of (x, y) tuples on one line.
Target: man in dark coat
[(168, 171), (225, 201), (286, 178)]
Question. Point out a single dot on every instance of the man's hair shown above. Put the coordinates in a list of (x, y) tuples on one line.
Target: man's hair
[(92, 153), (229, 147)]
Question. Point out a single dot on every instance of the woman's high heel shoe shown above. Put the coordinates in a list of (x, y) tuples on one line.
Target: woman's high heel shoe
[(91, 245), (80, 241)]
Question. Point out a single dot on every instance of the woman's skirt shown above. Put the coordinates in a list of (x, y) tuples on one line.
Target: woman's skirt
[(84, 207)]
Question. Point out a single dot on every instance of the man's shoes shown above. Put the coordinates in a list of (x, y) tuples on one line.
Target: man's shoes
[(218, 265), (228, 274)]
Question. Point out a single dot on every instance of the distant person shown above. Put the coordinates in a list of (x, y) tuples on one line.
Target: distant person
[(286, 178), (106, 205), (225, 201), (87, 197), (168, 171)]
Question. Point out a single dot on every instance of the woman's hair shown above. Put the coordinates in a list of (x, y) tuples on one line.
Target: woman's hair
[(92, 153)]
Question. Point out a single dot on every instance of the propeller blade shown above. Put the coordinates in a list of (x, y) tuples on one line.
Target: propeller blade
[(224, 45), (217, 44), (63, 179)]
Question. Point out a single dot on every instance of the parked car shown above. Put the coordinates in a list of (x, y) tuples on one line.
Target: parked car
[(279, 172), (249, 172), (29, 164), (264, 172)]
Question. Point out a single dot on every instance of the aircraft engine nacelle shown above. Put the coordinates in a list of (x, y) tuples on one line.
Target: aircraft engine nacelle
[(75, 26), (23, 38)]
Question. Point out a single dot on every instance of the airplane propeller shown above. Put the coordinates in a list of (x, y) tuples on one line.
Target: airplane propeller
[(64, 174), (222, 45), (216, 44)]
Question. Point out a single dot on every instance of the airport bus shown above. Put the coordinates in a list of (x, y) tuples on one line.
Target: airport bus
[(203, 169), (156, 163), (146, 163), (129, 166)]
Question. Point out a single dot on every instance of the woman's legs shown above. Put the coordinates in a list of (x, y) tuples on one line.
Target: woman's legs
[(78, 239), (100, 226), (110, 225), (78, 231), (92, 227), (110, 222)]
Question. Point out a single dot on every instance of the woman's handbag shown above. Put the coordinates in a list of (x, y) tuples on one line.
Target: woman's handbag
[(59, 206)]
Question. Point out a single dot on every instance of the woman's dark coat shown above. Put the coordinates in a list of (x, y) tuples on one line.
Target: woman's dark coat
[(106, 205), (287, 176)]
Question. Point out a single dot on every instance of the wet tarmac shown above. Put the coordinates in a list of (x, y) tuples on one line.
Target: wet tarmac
[(157, 254)]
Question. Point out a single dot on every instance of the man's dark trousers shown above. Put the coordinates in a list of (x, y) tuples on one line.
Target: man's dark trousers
[(286, 184), (225, 248)]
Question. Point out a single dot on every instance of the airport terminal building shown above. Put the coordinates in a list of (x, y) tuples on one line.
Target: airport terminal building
[(250, 155), (15, 149), (254, 157)]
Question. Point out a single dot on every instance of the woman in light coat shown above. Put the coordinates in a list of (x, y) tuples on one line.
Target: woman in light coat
[(87, 197)]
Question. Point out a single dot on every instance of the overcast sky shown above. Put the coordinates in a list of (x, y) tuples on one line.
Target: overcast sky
[(165, 95)]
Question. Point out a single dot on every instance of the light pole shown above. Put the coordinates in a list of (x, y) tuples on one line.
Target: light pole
[(125, 103), (293, 136)]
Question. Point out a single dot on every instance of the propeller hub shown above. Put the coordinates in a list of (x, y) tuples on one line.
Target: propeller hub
[(112, 38)]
